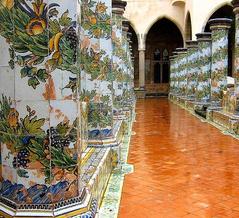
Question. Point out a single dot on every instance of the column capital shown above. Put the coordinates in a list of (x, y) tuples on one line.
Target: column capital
[(220, 23), (235, 4), (141, 49), (191, 44), (181, 50), (118, 6), (205, 36), (171, 58)]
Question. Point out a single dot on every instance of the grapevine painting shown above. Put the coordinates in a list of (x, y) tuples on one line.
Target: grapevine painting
[(41, 40), (40, 135)]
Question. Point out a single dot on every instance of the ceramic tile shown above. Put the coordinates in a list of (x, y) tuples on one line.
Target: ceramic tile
[(7, 75)]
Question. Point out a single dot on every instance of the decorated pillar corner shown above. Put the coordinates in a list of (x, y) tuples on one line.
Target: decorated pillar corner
[(203, 90), (128, 93), (182, 71), (192, 69), (173, 75), (235, 4), (40, 107), (220, 28), (96, 63), (118, 57)]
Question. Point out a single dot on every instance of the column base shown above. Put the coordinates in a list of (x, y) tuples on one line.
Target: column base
[(140, 93), (227, 121), (67, 209)]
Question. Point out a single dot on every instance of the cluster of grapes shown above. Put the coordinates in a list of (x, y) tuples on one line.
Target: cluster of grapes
[(56, 139), (22, 159), (71, 37)]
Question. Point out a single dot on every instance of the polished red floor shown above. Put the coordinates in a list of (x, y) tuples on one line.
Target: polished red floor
[(183, 167)]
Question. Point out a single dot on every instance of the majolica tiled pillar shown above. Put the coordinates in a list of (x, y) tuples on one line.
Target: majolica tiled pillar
[(235, 4), (203, 90), (96, 69), (176, 75), (40, 109), (118, 56), (182, 70), (125, 63), (220, 28), (192, 69), (172, 75)]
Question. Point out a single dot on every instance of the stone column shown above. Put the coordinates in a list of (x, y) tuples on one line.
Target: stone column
[(142, 68), (192, 69), (235, 4), (220, 28), (204, 65)]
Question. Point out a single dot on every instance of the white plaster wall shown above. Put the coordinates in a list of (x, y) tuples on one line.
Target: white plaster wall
[(144, 13), (201, 10)]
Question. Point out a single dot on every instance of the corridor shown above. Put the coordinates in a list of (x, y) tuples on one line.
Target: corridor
[(183, 167)]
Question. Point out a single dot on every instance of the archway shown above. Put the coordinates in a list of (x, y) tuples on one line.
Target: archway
[(162, 39), (134, 45), (226, 11), (188, 27)]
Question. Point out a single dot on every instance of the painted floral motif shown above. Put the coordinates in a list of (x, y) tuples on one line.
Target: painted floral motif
[(95, 19), (31, 146), (219, 64), (192, 72), (38, 50), (203, 85)]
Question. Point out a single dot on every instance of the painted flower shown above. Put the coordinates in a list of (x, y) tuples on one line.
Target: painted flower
[(92, 20), (101, 8), (97, 32), (38, 23), (13, 118), (36, 26), (8, 4)]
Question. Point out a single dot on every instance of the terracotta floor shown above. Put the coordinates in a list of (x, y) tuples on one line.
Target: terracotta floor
[(183, 167)]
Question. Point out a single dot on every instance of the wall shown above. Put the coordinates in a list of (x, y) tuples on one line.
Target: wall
[(143, 14)]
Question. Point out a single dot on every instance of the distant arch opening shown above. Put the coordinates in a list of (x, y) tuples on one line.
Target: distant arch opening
[(188, 27), (226, 11), (162, 39)]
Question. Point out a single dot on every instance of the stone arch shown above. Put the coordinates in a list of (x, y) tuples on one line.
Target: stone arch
[(162, 39), (226, 11), (216, 8), (160, 18), (188, 27)]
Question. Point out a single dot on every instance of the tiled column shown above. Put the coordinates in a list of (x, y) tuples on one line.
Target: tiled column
[(204, 64), (235, 4), (220, 28), (118, 56), (175, 70), (40, 108), (173, 74), (96, 69), (192, 69), (125, 63), (182, 63)]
